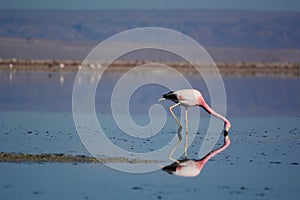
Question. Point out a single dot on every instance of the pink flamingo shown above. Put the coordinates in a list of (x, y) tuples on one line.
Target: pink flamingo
[(190, 98)]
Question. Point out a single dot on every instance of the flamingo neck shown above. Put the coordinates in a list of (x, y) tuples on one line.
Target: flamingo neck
[(212, 112), (200, 164)]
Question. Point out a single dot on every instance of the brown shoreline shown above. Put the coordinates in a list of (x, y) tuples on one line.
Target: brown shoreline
[(226, 69), (64, 158)]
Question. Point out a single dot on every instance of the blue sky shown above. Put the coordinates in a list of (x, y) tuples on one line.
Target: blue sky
[(270, 5)]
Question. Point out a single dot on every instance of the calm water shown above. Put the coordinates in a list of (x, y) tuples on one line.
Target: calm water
[(262, 161)]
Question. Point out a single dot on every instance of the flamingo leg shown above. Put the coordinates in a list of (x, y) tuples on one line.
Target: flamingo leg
[(178, 133), (171, 111), (186, 132), (174, 149)]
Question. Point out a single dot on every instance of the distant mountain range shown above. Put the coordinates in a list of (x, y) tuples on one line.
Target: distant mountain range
[(214, 29), (250, 29)]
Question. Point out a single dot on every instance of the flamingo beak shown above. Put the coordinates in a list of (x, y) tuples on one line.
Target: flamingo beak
[(225, 133), (161, 99)]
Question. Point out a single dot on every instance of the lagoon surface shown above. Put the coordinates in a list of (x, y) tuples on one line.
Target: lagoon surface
[(262, 161)]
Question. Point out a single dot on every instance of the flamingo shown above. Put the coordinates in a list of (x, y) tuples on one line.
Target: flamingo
[(61, 65), (190, 98)]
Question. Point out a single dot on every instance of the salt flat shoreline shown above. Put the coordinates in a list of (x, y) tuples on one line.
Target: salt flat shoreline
[(226, 69), (64, 158)]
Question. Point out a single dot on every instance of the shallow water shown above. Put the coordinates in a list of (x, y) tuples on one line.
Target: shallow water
[(261, 162), (43, 91)]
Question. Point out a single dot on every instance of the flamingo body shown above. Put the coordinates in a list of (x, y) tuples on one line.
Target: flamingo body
[(187, 97), (191, 98)]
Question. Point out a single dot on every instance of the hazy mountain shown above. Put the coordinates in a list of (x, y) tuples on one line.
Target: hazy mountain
[(230, 36), (251, 29)]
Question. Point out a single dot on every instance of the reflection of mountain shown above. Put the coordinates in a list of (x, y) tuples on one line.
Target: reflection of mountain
[(210, 28)]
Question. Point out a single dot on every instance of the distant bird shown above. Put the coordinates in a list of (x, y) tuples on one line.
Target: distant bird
[(10, 66), (190, 98), (92, 66), (61, 65)]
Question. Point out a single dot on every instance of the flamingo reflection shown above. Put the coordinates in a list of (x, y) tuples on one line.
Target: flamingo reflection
[(189, 167)]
